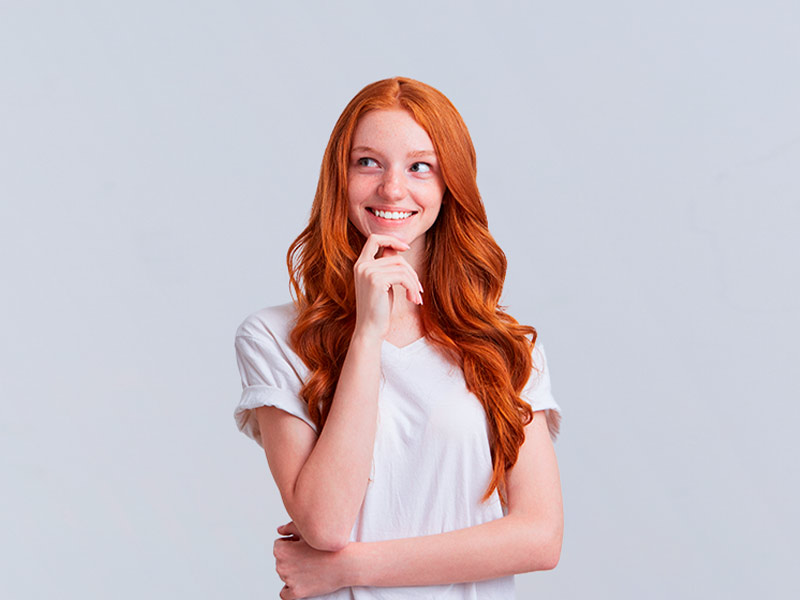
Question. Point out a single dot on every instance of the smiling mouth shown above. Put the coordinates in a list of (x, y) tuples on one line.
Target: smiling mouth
[(392, 215)]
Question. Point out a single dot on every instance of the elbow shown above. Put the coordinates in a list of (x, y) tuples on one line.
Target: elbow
[(552, 551), (328, 543), (546, 551), (550, 557), (321, 530), (326, 538)]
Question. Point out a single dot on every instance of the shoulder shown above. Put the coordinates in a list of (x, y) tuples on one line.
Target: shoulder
[(539, 361), (271, 373), (538, 391), (263, 339), (274, 322)]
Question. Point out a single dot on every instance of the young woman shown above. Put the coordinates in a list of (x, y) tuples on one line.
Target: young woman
[(406, 418)]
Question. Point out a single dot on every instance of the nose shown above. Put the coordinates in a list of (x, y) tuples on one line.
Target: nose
[(392, 186)]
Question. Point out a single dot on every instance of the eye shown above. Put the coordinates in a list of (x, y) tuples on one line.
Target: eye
[(420, 167), (365, 161)]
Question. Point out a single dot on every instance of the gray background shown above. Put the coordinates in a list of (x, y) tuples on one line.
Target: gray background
[(639, 163)]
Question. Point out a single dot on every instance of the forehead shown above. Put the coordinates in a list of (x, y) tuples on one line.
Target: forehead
[(390, 127)]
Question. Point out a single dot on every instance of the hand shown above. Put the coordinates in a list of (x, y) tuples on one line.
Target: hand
[(374, 278), (305, 570)]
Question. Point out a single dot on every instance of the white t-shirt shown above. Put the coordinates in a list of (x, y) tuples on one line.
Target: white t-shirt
[(431, 461)]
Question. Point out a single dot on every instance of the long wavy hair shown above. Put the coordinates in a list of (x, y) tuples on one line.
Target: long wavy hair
[(463, 279)]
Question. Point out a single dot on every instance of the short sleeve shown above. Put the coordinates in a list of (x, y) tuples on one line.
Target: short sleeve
[(268, 379), (537, 391)]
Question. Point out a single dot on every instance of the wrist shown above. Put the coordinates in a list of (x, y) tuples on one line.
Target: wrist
[(352, 565), (366, 339)]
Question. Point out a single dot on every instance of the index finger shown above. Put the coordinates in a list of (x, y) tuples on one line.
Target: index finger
[(376, 241)]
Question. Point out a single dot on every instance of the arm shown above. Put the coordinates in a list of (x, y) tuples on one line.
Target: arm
[(323, 480), (527, 539)]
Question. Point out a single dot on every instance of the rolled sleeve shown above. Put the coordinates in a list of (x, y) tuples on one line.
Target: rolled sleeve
[(538, 393), (268, 379)]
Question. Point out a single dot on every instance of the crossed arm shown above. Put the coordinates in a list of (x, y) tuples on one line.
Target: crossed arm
[(527, 539), (323, 479), (318, 559)]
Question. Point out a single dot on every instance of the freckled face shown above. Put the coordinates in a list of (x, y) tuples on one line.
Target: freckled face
[(394, 182)]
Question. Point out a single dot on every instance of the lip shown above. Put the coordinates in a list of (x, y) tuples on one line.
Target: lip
[(390, 222), (390, 209)]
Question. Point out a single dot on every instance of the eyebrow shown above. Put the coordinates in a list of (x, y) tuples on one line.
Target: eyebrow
[(415, 154)]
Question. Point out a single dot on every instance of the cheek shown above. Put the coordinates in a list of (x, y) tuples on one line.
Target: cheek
[(356, 191), (352, 197), (434, 194), (351, 203), (355, 210), (435, 200), (435, 210), (353, 216)]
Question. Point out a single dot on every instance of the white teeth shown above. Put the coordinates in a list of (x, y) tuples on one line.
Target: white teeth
[(392, 215)]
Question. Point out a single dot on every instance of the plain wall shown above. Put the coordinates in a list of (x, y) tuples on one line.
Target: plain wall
[(639, 163)]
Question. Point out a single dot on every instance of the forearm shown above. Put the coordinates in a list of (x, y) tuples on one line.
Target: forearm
[(331, 485), (498, 548)]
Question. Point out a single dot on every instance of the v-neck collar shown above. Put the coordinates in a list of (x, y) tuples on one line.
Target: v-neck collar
[(407, 349)]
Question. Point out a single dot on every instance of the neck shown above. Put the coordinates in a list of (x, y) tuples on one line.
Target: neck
[(415, 256), (406, 321)]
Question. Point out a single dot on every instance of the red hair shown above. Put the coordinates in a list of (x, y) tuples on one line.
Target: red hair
[(463, 279)]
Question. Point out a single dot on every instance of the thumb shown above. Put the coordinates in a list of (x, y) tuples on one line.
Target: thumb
[(288, 529)]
